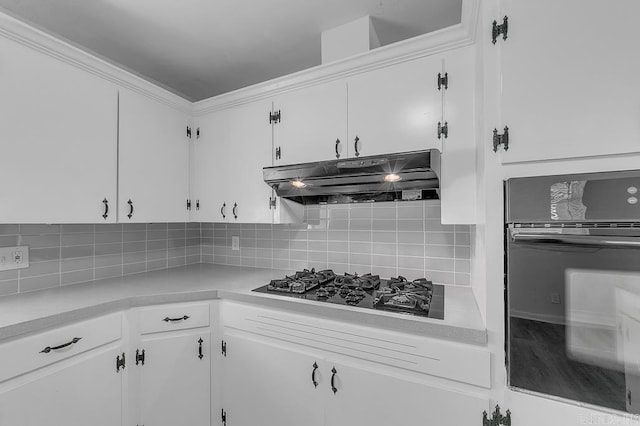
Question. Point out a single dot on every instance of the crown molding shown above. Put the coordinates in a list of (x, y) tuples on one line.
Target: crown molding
[(443, 40), (33, 38)]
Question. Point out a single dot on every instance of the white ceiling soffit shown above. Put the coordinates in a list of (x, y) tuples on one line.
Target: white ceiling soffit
[(201, 48)]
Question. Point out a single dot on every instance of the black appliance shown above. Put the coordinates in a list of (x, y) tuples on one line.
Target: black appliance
[(573, 287), (419, 297)]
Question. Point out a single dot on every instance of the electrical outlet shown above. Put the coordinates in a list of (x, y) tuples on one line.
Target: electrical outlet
[(235, 243), (555, 298), (14, 258)]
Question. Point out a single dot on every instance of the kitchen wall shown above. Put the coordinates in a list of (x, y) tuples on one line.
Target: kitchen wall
[(70, 254), (386, 238)]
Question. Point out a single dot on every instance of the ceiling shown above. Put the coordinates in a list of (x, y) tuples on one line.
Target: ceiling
[(201, 48)]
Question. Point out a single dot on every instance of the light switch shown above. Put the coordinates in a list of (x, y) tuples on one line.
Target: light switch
[(14, 258), (235, 243)]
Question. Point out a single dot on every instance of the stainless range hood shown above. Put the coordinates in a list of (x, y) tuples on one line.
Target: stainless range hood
[(391, 177)]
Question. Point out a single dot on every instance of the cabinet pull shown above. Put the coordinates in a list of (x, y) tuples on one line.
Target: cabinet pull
[(184, 318), (106, 209), (333, 377), (223, 209), (130, 215), (313, 375), (337, 146), (200, 341), (235, 210), (355, 145), (64, 345)]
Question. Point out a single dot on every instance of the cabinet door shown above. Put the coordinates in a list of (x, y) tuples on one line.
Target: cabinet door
[(154, 161), (270, 385), (368, 398), (59, 140), (175, 383), (313, 124), (396, 108), (249, 147), (574, 94), (458, 159), (212, 165), (85, 390)]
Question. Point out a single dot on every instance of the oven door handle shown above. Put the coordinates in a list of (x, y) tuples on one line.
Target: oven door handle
[(577, 240)]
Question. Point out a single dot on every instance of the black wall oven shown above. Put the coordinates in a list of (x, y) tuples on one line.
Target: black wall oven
[(573, 287)]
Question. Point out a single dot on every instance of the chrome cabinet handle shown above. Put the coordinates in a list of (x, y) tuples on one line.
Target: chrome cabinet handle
[(313, 375), (64, 345), (184, 318), (106, 209), (355, 145), (337, 146), (577, 240), (130, 215), (235, 210), (333, 377), (223, 209)]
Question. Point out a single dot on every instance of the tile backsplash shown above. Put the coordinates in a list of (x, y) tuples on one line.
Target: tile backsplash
[(70, 254), (389, 239)]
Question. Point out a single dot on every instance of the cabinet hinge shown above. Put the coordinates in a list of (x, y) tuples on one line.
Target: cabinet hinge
[(443, 130), (120, 362), (188, 204), (272, 203), (139, 357), (502, 139), (443, 81), (497, 418), (189, 132), (278, 153), (496, 30), (223, 417), (224, 348), (274, 117)]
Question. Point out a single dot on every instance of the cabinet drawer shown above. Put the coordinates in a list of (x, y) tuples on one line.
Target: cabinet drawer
[(26, 354), (172, 317)]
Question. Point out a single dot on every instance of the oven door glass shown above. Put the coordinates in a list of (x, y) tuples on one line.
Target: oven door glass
[(573, 315)]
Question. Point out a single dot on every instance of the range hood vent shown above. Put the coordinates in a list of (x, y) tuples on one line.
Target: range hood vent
[(391, 177)]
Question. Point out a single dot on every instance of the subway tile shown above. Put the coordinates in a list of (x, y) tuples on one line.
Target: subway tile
[(155, 265), (338, 235), (439, 264), (219, 225), (222, 242), (432, 212), (192, 233), (298, 245), (162, 234), (193, 225), (136, 257), (262, 252), (248, 261), (8, 275), (435, 226), (360, 213), (339, 224), (360, 259), (462, 239), (338, 257), (76, 228), (317, 235), (264, 233), (134, 247), (108, 238), (281, 244), (317, 245), (441, 238), (317, 257), (248, 232), (440, 277), (177, 225), (298, 255), (439, 251), (206, 250), (156, 245), (108, 227), (463, 252), (174, 262), (156, 255), (134, 227), (383, 261), (360, 247), (338, 246), (411, 237), (76, 277), (386, 272), (463, 266), (281, 264), (102, 249), (76, 251), (177, 252), (40, 268), (248, 252), (38, 229), (362, 236), (410, 212), (234, 260), (134, 268), (281, 233), (298, 265), (410, 262), (9, 229), (76, 264), (410, 250), (384, 225), (108, 260), (384, 237), (281, 253), (338, 214), (263, 263), (411, 274), (108, 272), (76, 239), (463, 228), (298, 235), (208, 241), (384, 212), (9, 240), (221, 259), (462, 279), (8, 287), (386, 249), (177, 242), (206, 258), (131, 236), (235, 227), (413, 225), (45, 254), (176, 233), (338, 267), (40, 282), (39, 241), (360, 225), (206, 225), (192, 250)]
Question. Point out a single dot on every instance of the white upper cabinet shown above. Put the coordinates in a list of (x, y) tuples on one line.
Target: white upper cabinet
[(570, 85), (312, 124), (153, 160), (233, 147), (58, 162), (458, 159), (395, 108)]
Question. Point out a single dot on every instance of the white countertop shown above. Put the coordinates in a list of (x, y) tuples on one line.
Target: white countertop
[(30, 312)]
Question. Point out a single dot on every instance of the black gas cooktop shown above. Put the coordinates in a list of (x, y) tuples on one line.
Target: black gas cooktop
[(415, 297)]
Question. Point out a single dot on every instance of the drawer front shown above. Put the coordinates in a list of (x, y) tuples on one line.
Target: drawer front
[(179, 316), (26, 354), (449, 360)]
